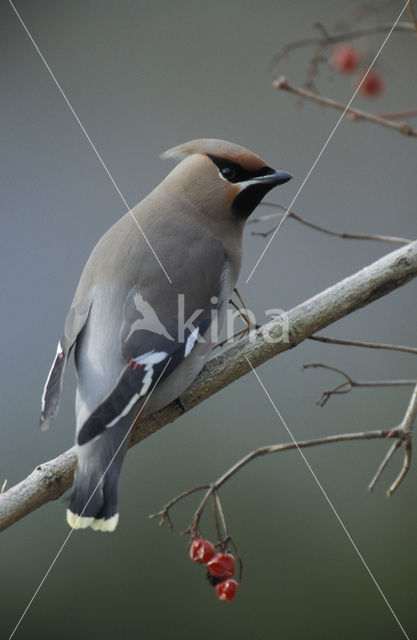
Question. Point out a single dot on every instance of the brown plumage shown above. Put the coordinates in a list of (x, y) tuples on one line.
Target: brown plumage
[(206, 146), (125, 317)]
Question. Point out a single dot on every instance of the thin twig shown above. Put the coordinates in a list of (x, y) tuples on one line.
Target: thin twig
[(164, 513), (404, 469), (239, 335), (408, 113), (276, 448), (222, 518), (216, 516), (393, 448), (243, 311), (355, 114), (244, 314), (410, 415), (316, 227), (412, 15), (350, 383), (331, 40), (316, 58), (212, 489), (368, 345), (403, 432), (194, 527), (345, 387)]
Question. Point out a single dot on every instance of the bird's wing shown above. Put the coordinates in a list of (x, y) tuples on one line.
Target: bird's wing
[(74, 324), (152, 347)]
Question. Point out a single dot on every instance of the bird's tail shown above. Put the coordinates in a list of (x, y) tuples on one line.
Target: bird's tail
[(53, 385), (94, 500)]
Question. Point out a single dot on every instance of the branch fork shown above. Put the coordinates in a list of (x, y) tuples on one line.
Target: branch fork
[(403, 433)]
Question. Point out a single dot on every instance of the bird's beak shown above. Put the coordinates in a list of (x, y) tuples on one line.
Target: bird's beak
[(278, 177)]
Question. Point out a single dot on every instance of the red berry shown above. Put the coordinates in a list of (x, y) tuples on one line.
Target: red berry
[(222, 565), (226, 590), (201, 550), (373, 85), (345, 58)]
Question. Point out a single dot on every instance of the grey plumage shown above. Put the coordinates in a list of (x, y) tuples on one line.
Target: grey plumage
[(124, 319)]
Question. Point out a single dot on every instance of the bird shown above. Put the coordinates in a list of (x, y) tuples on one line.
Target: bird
[(143, 316)]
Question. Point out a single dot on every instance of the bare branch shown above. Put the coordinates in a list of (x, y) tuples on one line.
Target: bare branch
[(393, 448), (350, 383), (404, 468), (410, 415), (316, 227), (408, 113), (163, 514), (328, 39), (354, 114), (245, 315), (52, 478), (220, 512), (345, 387), (213, 488), (368, 345), (403, 432)]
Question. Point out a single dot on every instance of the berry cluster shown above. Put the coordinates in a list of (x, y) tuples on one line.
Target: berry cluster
[(346, 58), (220, 567)]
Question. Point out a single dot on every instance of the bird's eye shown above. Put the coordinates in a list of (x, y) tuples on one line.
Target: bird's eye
[(228, 173)]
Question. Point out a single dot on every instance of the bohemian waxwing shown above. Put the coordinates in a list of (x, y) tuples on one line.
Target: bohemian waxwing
[(143, 314)]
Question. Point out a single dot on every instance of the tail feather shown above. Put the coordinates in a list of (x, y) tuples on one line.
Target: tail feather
[(53, 386), (94, 500)]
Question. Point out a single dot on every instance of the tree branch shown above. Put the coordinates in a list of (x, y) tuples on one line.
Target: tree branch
[(408, 113), (350, 383), (52, 478), (212, 488), (327, 39), (316, 227), (367, 345), (354, 114), (403, 431)]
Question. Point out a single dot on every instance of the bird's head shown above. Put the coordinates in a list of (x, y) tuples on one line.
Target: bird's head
[(221, 179)]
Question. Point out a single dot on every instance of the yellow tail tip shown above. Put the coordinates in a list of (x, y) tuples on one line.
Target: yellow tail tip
[(99, 524)]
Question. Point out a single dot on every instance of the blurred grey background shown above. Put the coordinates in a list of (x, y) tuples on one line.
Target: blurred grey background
[(144, 76)]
